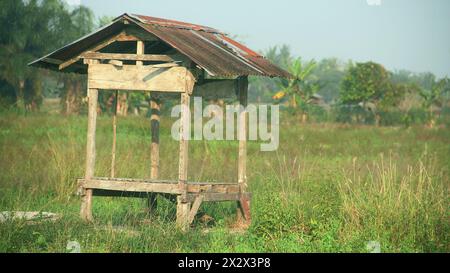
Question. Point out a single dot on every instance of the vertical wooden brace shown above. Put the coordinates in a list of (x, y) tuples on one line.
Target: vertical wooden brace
[(155, 106), (244, 202), (114, 141), (182, 204), (242, 131), (86, 202), (140, 50)]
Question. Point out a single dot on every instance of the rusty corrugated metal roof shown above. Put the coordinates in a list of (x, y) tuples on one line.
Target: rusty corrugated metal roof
[(209, 48)]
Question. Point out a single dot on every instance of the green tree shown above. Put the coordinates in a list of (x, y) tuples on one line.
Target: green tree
[(328, 74), (77, 23), (434, 98), (369, 83), (29, 30)]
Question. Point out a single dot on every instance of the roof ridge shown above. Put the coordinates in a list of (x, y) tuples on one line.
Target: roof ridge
[(173, 23)]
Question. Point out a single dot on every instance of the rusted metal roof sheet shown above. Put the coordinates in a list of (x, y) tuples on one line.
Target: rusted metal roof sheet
[(209, 48)]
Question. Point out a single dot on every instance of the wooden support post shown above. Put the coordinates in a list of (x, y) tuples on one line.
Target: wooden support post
[(243, 204), (195, 206), (140, 50), (183, 209), (182, 203), (86, 202), (113, 150), (155, 106), (242, 131)]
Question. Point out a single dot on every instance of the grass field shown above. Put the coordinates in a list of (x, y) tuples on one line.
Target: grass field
[(328, 188)]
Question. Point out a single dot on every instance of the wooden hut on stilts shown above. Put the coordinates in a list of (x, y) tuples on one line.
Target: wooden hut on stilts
[(169, 59)]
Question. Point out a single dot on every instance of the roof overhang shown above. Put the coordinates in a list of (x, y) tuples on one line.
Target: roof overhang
[(208, 48)]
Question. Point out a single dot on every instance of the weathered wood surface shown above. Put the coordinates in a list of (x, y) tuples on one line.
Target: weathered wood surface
[(86, 202), (96, 47), (155, 106), (243, 211), (143, 186), (242, 157), (145, 78), (132, 186), (113, 150), (217, 197), (140, 47), (207, 197), (244, 206), (183, 209), (195, 206), (127, 57)]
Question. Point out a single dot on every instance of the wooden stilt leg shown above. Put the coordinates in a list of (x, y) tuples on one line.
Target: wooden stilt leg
[(155, 106), (244, 209), (113, 150), (182, 203), (86, 202), (243, 204), (183, 209)]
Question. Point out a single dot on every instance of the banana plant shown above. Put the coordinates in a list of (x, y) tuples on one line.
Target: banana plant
[(300, 88), (434, 97)]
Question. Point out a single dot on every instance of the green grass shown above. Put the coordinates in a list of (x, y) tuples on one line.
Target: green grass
[(328, 188)]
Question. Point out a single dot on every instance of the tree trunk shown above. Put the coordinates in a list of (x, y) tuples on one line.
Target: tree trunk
[(122, 106), (377, 119), (32, 93), (71, 97)]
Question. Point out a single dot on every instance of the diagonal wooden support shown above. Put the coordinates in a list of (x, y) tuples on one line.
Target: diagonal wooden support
[(244, 206), (195, 206)]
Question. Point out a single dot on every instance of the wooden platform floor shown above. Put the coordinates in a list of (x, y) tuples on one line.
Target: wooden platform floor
[(127, 187)]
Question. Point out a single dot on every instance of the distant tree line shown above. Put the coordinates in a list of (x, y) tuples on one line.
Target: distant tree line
[(361, 92), (325, 90), (29, 30)]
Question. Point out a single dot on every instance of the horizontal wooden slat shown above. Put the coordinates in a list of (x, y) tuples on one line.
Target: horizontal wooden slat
[(127, 57), (159, 186), (132, 186), (217, 197), (143, 78)]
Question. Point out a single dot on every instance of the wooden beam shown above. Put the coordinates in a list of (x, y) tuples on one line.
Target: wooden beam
[(140, 47), (192, 187), (182, 204), (132, 186), (216, 89), (113, 150), (212, 187), (183, 209), (96, 47), (145, 78), (155, 106), (243, 207), (86, 202), (195, 206), (242, 157), (127, 57), (217, 197), (184, 139)]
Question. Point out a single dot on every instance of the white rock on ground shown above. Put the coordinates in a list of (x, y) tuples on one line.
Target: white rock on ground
[(28, 216)]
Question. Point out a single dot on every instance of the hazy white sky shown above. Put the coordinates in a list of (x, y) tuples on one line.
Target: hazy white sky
[(409, 34)]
